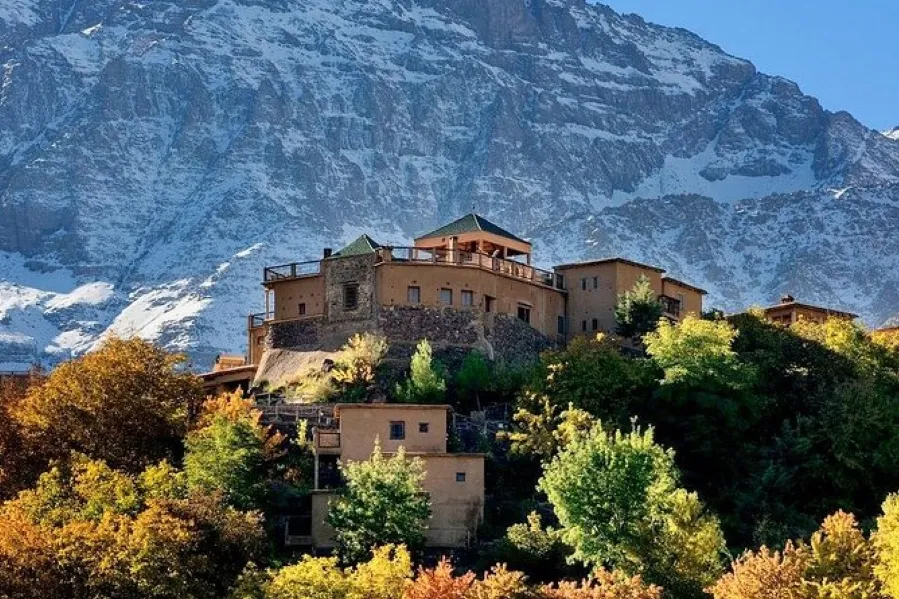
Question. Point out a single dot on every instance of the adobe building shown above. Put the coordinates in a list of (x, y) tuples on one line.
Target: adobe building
[(467, 285), (594, 287), (229, 373), (453, 481), (789, 312)]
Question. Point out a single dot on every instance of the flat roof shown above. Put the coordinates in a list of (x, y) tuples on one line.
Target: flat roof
[(685, 284), (887, 330), (606, 261), (809, 307), (225, 371), (383, 406)]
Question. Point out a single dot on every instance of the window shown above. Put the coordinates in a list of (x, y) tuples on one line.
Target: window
[(299, 526), (524, 313), (302, 309), (561, 325), (595, 324), (488, 303), (460, 477), (423, 427), (397, 430), (446, 296), (350, 296), (584, 283), (584, 326), (413, 295), (596, 282), (467, 298)]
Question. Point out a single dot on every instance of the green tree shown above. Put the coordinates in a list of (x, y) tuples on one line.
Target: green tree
[(617, 499), (886, 542), (637, 311), (425, 384), (472, 380), (698, 352), (226, 454), (382, 502)]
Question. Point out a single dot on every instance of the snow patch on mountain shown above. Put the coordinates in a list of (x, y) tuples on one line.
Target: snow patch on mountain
[(892, 133)]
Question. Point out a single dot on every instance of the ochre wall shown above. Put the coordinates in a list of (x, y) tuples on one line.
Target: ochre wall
[(614, 278), (290, 294), (255, 344), (394, 279), (456, 507), (692, 304), (359, 427)]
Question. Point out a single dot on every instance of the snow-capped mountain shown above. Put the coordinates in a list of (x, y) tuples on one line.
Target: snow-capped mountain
[(892, 133), (155, 155)]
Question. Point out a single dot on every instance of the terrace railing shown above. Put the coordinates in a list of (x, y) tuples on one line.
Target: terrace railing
[(291, 271), (478, 260)]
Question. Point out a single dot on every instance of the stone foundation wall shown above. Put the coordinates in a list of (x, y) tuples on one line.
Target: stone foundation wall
[(452, 334)]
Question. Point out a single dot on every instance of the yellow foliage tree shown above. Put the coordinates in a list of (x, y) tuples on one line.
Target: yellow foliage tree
[(310, 578), (886, 543), (439, 583), (125, 404), (765, 574), (603, 585), (383, 576)]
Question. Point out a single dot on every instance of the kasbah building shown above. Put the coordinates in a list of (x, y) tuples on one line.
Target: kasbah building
[(469, 285)]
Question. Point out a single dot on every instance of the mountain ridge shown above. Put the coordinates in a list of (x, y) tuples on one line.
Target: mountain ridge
[(154, 157)]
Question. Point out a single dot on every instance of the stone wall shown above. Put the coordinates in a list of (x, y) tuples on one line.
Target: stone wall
[(339, 272)]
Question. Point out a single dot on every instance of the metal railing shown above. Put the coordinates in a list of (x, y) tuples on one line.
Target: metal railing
[(291, 271), (480, 260)]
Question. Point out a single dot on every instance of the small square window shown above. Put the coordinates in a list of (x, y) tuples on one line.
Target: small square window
[(350, 296), (596, 282), (524, 313), (467, 297), (397, 430), (302, 309), (460, 477), (584, 283), (423, 427), (446, 297), (413, 295), (595, 324)]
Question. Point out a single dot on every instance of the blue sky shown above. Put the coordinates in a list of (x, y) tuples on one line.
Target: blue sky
[(844, 52)]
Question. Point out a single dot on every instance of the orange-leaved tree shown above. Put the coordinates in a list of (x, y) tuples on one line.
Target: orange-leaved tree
[(126, 404)]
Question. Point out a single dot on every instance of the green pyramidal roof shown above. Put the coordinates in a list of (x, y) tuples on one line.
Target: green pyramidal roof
[(362, 245), (469, 224)]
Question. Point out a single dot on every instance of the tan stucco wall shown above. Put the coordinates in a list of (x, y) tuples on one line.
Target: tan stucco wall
[(614, 278), (290, 294), (360, 426), (456, 507), (692, 302), (547, 304), (322, 533), (255, 344)]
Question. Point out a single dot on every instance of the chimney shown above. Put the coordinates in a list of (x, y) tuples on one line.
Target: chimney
[(787, 299), (327, 253)]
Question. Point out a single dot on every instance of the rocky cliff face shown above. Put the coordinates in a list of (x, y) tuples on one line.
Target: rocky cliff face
[(155, 155)]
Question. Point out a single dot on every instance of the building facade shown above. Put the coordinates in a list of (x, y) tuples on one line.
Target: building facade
[(454, 482), (469, 284), (789, 312)]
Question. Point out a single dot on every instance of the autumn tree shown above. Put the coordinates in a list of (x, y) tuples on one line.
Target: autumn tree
[(618, 501), (357, 364), (637, 310), (126, 404), (382, 502)]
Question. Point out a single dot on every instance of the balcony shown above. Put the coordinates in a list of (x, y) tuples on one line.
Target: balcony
[(293, 270), (258, 320), (670, 306), (479, 260)]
